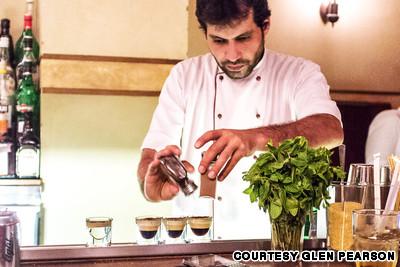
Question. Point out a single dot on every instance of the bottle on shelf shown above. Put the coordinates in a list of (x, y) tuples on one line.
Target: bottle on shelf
[(5, 59), (28, 152), (7, 140), (5, 32), (28, 56), (27, 101), (19, 46)]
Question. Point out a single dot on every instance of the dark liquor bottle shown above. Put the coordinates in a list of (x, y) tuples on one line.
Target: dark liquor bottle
[(27, 101), (28, 56), (19, 46), (5, 32), (28, 153), (7, 144), (5, 59)]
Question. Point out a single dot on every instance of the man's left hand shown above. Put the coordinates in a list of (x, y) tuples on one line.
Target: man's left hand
[(228, 148)]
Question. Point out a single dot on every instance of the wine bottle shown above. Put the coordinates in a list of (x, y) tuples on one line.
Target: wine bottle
[(7, 140), (28, 56), (27, 101), (19, 46), (5, 32), (28, 153)]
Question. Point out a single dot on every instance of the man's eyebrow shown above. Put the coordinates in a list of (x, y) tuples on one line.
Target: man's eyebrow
[(240, 35)]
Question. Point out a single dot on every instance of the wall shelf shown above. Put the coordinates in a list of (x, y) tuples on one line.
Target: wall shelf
[(20, 182)]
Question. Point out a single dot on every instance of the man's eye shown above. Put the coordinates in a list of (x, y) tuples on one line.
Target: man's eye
[(243, 38), (219, 41)]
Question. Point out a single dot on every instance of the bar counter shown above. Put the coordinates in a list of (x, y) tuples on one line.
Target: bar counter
[(126, 254)]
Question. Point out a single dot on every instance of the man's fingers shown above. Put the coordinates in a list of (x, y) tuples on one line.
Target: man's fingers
[(211, 154), (206, 137), (189, 167), (169, 190), (153, 168), (168, 151), (230, 165), (224, 156)]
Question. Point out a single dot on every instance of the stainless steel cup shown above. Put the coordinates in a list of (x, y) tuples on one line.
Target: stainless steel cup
[(363, 174)]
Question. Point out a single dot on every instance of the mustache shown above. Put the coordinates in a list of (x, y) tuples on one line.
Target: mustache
[(237, 62)]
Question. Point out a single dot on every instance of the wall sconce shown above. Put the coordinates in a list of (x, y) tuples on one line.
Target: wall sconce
[(329, 12)]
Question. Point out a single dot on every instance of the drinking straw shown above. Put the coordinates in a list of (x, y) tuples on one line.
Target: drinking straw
[(377, 190), (342, 160), (394, 188)]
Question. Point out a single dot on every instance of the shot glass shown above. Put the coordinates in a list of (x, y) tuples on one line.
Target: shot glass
[(376, 230), (149, 230), (175, 229), (199, 229), (99, 231)]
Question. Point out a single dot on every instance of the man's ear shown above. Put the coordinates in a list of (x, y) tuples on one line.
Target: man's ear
[(266, 25)]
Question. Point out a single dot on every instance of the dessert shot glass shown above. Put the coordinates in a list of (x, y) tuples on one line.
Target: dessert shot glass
[(175, 229), (199, 229), (149, 230), (99, 231)]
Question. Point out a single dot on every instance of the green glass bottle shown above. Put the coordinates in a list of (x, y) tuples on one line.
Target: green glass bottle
[(28, 56), (19, 46), (27, 101)]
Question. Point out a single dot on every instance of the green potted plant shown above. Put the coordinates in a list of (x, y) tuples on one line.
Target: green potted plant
[(288, 181)]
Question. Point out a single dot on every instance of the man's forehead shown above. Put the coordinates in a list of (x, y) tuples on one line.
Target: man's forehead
[(231, 30)]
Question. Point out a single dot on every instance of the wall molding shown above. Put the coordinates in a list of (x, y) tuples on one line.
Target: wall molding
[(103, 92), (110, 59), (364, 92)]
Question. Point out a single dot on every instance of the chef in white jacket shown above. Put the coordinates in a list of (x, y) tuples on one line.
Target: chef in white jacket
[(230, 103)]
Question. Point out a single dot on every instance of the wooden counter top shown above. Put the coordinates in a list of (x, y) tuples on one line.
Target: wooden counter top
[(119, 255)]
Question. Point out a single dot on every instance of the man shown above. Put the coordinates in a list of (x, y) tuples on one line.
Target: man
[(229, 104), (384, 136)]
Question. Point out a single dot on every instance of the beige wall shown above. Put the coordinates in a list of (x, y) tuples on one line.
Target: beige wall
[(125, 28), (128, 28), (359, 52), (90, 153)]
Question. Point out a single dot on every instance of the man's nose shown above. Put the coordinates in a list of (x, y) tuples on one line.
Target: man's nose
[(232, 52)]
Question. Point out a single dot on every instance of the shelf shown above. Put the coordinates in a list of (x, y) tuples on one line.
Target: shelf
[(20, 182)]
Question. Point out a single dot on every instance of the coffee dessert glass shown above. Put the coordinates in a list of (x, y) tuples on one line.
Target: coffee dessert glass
[(149, 230), (99, 231), (199, 229), (175, 229)]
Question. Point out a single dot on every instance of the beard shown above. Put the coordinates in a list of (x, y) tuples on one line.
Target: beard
[(244, 66)]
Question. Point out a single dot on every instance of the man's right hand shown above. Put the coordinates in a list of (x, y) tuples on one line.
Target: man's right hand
[(156, 185)]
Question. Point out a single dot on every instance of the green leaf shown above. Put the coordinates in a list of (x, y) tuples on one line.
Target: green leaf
[(248, 190), (253, 196), (275, 209), (292, 205), (292, 188)]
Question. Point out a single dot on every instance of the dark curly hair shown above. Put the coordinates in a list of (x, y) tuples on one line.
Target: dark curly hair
[(225, 12)]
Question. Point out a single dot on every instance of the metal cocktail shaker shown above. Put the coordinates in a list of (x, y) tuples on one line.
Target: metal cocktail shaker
[(174, 169), (9, 245)]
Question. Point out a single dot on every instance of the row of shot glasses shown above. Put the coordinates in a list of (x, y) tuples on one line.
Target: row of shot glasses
[(174, 230), (153, 230)]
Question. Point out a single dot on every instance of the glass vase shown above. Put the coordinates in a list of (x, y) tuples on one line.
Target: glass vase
[(287, 232)]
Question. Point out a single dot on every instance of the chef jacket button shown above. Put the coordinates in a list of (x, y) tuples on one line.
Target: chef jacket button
[(258, 78), (219, 115), (258, 116), (221, 77), (219, 198), (218, 237)]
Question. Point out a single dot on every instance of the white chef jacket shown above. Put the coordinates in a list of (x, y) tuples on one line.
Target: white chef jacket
[(383, 136), (279, 90)]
